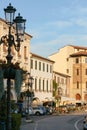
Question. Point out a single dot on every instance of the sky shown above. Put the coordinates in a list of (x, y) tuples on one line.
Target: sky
[(52, 24)]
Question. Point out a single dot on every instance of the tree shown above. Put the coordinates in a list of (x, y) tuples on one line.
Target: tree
[(54, 88)]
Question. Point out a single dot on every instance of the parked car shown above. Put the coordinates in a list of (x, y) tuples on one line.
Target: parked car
[(30, 110), (49, 110), (39, 110), (85, 123), (85, 126), (63, 109), (26, 110)]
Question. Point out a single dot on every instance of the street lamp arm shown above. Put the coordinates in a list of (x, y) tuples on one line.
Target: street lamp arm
[(10, 40)]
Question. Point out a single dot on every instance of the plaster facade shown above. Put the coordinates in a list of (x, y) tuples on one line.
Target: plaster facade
[(71, 60)]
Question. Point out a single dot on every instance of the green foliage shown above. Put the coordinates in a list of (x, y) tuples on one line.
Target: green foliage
[(54, 88), (13, 106), (3, 108), (16, 121), (16, 118)]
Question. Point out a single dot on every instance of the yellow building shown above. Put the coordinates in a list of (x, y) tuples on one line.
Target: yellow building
[(22, 57), (72, 60)]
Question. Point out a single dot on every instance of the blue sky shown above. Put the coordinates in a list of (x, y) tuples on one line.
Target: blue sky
[(52, 23)]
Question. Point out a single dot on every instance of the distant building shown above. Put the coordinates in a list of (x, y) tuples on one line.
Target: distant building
[(63, 87), (72, 60), (42, 72)]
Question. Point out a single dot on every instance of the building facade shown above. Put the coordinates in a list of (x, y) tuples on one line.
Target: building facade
[(71, 60), (63, 86), (22, 57), (59, 66), (42, 72)]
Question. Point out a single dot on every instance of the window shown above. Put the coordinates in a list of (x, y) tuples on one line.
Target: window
[(77, 71), (25, 52), (62, 80), (47, 67), (39, 84), (58, 79), (67, 59), (35, 64), (39, 65), (43, 66), (77, 85), (31, 64), (85, 71), (85, 60), (47, 85), (50, 85), (77, 60), (86, 85), (67, 70), (55, 78), (50, 68), (43, 85), (35, 84)]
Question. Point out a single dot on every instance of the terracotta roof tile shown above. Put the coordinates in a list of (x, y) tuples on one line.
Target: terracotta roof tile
[(79, 47), (80, 53)]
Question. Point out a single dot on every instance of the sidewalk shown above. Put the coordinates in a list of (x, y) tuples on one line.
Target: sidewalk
[(27, 125)]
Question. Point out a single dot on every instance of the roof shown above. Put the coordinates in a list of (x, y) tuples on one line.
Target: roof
[(35, 55), (80, 53), (79, 47), (75, 47), (61, 74)]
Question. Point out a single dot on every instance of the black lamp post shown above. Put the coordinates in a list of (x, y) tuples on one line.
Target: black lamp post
[(29, 93), (19, 24)]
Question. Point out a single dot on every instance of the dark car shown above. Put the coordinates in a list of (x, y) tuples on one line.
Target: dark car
[(85, 126), (85, 123), (49, 110), (24, 112)]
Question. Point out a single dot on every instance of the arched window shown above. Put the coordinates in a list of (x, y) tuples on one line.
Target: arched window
[(78, 96)]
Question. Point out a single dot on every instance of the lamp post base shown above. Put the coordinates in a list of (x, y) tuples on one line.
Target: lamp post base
[(28, 119)]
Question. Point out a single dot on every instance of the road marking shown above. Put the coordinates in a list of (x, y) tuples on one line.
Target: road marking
[(36, 125), (76, 127)]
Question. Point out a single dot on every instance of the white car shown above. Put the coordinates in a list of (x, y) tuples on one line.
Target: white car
[(39, 110), (30, 110)]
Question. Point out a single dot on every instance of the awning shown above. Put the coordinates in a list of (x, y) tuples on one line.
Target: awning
[(67, 99)]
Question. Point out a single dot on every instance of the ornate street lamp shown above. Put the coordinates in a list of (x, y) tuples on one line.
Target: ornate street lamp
[(29, 93), (19, 24)]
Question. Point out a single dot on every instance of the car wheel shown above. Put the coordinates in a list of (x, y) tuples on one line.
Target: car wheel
[(37, 113)]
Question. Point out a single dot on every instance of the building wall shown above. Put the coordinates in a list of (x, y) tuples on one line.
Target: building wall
[(42, 75), (22, 57), (80, 77), (65, 63)]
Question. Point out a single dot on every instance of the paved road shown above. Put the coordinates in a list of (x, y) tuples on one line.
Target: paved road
[(53, 122)]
